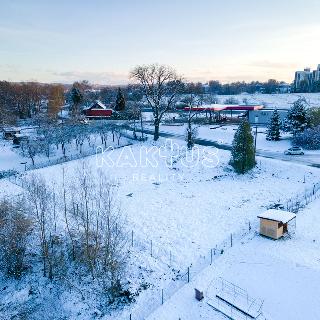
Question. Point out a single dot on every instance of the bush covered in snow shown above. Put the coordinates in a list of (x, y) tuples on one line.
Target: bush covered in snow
[(315, 116), (297, 119), (309, 139), (7, 173), (15, 227)]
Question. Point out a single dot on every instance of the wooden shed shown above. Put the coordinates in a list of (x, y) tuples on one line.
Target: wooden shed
[(276, 223)]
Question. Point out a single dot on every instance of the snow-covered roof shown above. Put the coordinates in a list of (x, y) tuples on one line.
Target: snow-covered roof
[(95, 104), (20, 135), (277, 215), (11, 129)]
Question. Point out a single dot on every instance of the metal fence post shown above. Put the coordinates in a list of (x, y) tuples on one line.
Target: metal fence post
[(231, 239), (151, 247), (161, 296), (132, 238), (210, 256), (188, 274)]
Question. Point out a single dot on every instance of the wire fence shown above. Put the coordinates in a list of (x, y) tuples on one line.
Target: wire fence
[(183, 274), (301, 200), (187, 273)]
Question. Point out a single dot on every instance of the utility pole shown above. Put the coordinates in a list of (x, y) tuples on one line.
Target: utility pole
[(141, 123), (255, 140)]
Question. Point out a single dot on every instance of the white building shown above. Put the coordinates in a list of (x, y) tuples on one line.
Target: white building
[(284, 88), (316, 74), (306, 78), (262, 117)]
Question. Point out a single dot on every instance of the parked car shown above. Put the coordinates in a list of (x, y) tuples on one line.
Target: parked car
[(294, 151)]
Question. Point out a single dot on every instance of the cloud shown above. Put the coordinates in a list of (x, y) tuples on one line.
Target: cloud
[(99, 77), (272, 64)]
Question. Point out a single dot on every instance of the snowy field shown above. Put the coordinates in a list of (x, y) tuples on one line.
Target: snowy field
[(172, 204), (274, 100), (285, 274), (184, 208)]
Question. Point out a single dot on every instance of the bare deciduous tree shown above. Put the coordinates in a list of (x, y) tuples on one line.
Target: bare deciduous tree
[(33, 147), (100, 226), (55, 100), (39, 197), (194, 101), (161, 86)]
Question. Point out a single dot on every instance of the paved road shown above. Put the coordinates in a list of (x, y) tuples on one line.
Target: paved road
[(309, 159)]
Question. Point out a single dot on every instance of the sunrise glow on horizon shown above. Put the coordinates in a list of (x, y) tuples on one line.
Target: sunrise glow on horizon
[(101, 41)]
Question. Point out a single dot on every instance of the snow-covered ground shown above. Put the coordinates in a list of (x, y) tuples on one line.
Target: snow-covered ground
[(10, 158), (274, 100), (172, 204), (8, 189), (225, 134), (183, 208), (284, 273)]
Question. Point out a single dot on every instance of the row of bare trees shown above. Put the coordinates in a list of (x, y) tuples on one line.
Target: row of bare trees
[(75, 228), (26, 99), (70, 137)]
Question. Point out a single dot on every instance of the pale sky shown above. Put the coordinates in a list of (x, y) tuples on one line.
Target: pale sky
[(101, 41)]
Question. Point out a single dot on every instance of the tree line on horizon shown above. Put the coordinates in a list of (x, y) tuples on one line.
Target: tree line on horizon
[(24, 99), (43, 102)]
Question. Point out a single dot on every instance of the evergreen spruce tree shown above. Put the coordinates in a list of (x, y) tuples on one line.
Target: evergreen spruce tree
[(120, 101), (77, 99), (274, 126), (243, 153), (297, 119), (76, 95)]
